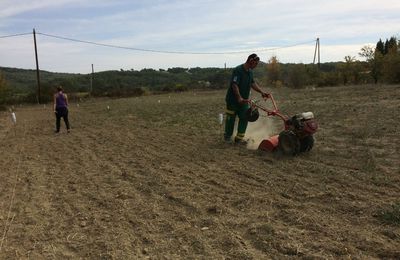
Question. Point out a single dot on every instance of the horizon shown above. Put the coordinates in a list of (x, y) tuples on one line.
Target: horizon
[(157, 70), (159, 34)]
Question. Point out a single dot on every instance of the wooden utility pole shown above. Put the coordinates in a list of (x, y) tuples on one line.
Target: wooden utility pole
[(317, 47), (319, 57), (37, 67), (91, 81)]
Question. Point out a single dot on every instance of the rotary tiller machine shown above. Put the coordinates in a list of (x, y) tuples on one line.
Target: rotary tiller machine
[(297, 136)]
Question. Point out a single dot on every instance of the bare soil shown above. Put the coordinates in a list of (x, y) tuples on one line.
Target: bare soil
[(151, 178)]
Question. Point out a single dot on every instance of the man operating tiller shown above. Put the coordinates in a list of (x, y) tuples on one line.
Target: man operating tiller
[(237, 98)]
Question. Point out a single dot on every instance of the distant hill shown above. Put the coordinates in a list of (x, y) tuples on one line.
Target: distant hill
[(24, 80), (22, 83)]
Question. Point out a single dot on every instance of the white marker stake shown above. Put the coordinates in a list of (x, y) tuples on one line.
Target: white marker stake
[(14, 120), (221, 118), (159, 101), (108, 107), (221, 121)]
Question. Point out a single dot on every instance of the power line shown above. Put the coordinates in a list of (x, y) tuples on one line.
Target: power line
[(159, 51), (170, 52), (13, 35)]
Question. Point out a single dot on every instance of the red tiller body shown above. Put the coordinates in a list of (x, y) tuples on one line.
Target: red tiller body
[(309, 126)]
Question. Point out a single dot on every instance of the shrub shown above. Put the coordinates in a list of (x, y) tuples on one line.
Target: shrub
[(273, 69), (297, 76), (180, 88), (391, 68), (328, 79), (4, 91)]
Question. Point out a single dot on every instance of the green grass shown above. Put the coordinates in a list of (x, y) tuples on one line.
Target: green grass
[(391, 215)]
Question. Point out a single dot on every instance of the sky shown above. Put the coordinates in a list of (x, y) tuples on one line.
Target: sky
[(162, 34)]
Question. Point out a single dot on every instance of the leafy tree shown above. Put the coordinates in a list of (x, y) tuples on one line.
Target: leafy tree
[(345, 69), (376, 71), (390, 45), (177, 70), (328, 79), (391, 68), (273, 70), (296, 76), (367, 52), (386, 47), (3, 83), (350, 70), (4, 91), (380, 47), (219, 79), (391, 62), (374, 59), (385, 61), (312, 72)]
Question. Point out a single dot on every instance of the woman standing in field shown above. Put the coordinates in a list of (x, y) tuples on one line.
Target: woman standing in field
[(61, 108)]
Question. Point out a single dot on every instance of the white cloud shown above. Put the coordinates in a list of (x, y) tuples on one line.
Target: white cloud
[(16, 7)]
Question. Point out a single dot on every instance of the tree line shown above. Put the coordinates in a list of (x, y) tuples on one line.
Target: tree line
[(20, 85), (381, 65)]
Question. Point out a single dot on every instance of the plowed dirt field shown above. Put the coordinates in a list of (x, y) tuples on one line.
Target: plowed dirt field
[(151, 178)]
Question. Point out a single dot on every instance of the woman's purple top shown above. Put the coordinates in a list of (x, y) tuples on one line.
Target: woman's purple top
[(60, 100)]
